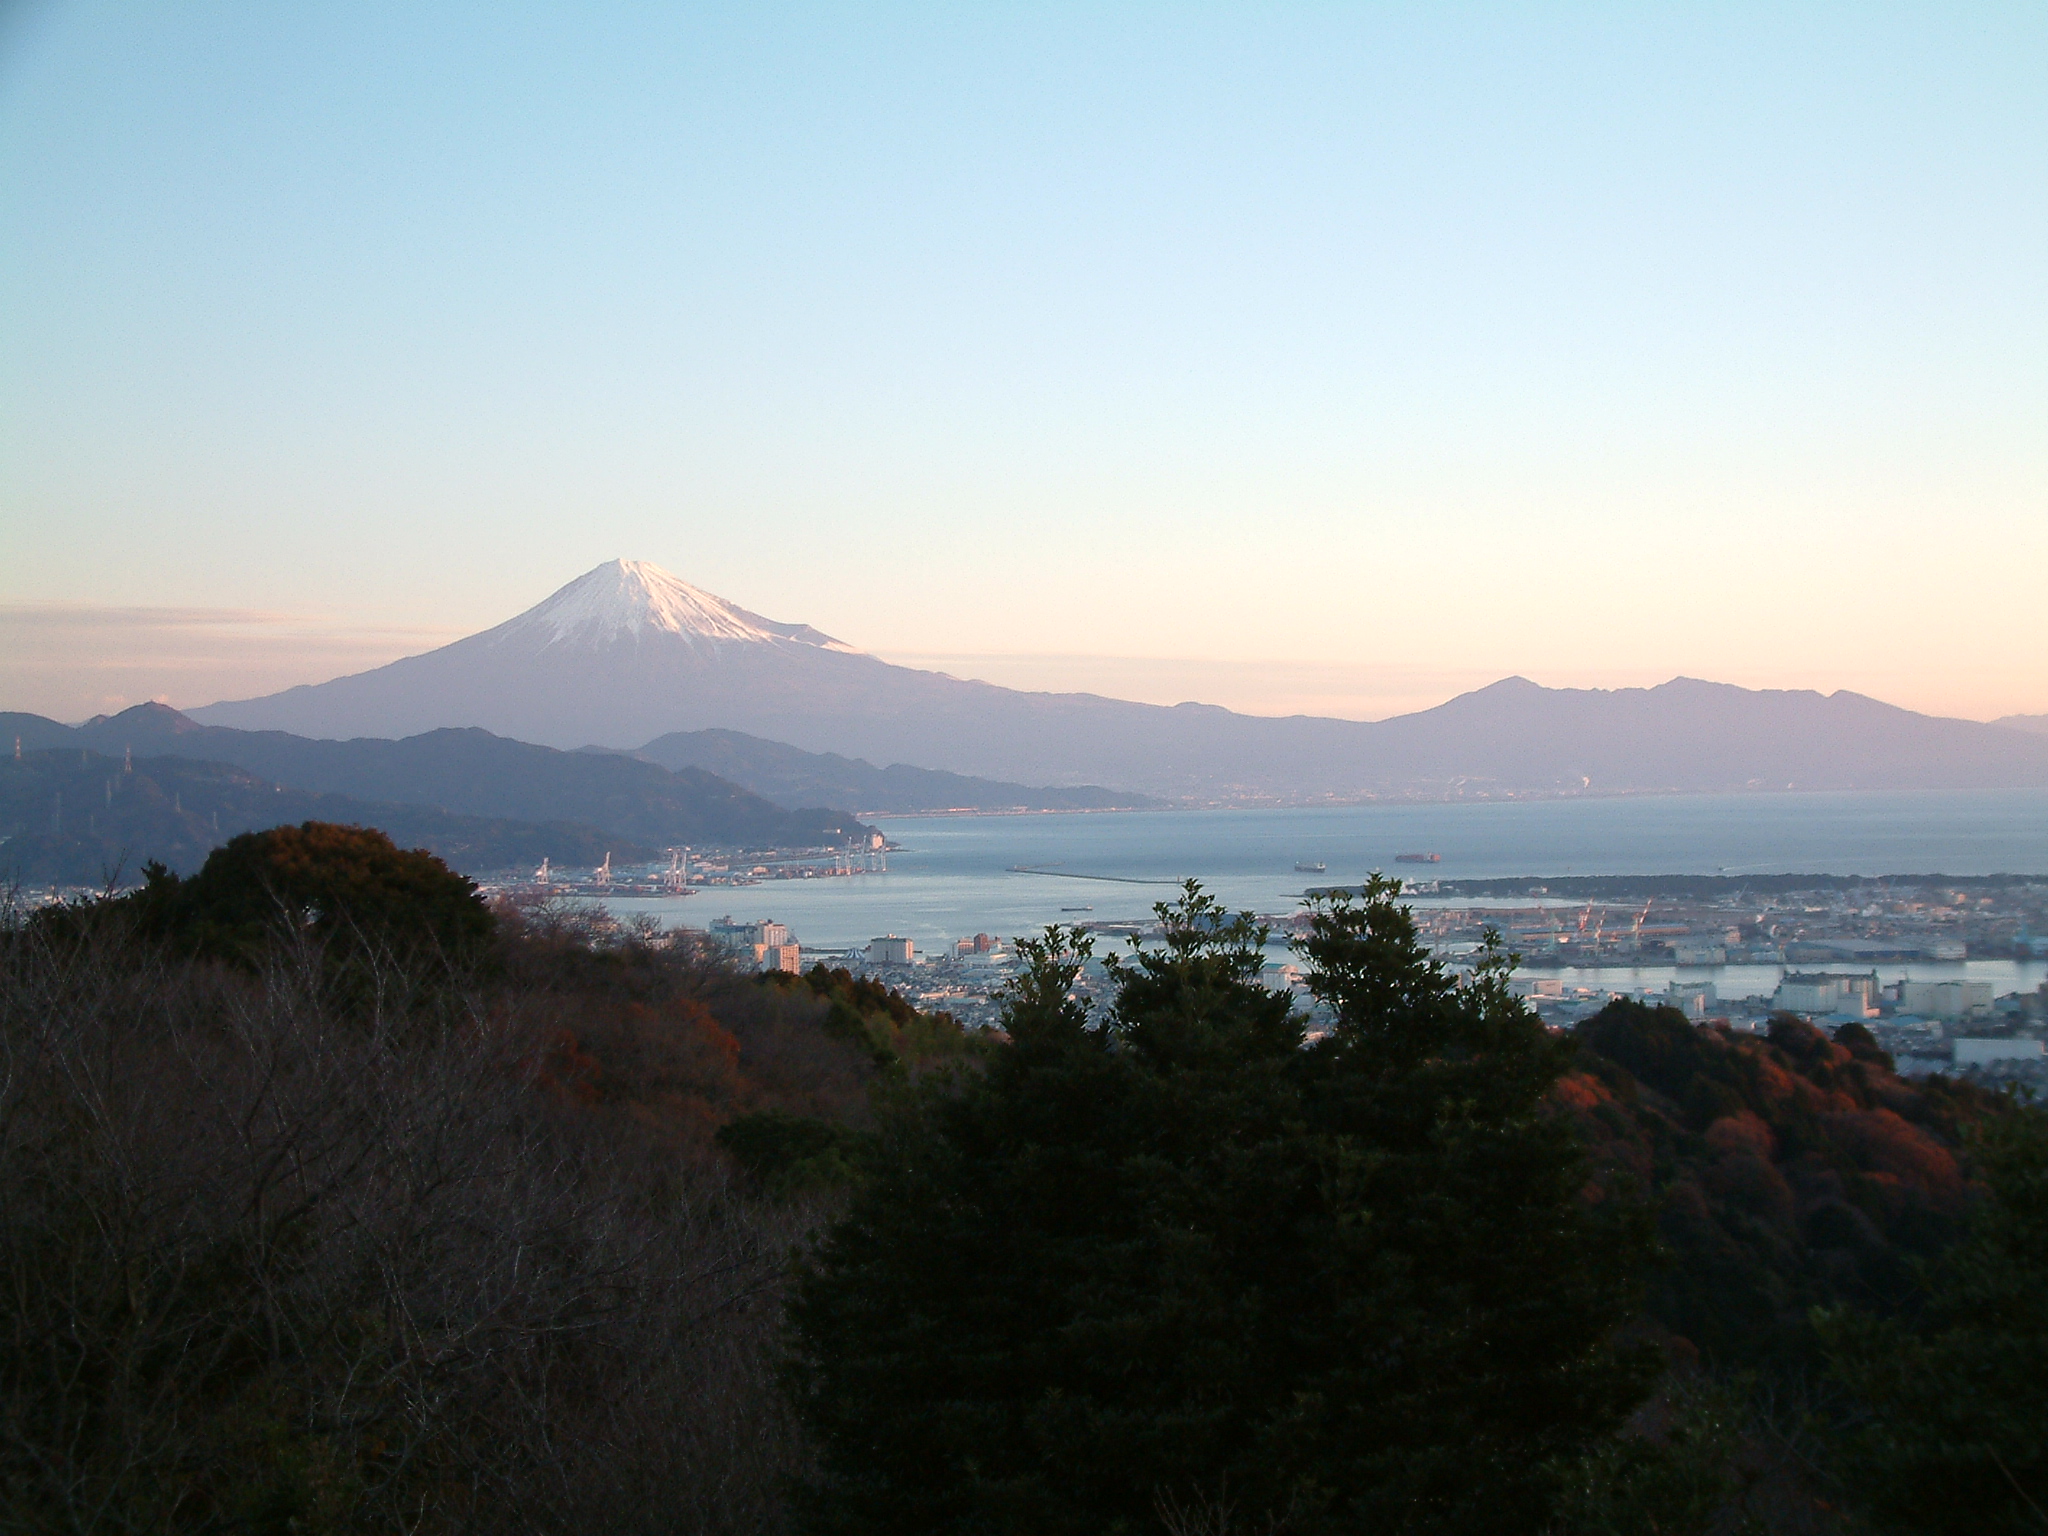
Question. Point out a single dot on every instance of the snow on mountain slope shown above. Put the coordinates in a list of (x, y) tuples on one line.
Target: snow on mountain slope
[(629, 598), (622, 654)]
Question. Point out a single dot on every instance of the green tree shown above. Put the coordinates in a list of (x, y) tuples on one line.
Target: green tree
[(1958, 1398), (350, 888), (1172, 1260)]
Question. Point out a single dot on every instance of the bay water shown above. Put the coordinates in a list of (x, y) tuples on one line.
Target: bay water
[(952, 876)]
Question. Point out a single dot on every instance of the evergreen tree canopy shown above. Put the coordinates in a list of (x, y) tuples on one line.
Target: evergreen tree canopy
[(350, 886), (1174, 1257), (1958, 1401)]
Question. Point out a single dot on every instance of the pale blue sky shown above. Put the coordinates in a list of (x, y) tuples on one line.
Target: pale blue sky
[(1368, 351)]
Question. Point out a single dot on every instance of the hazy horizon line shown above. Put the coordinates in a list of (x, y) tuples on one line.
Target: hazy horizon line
[(75, 660)]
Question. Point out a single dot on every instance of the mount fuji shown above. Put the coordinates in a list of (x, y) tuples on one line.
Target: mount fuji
[(621, 654), (629, 653)]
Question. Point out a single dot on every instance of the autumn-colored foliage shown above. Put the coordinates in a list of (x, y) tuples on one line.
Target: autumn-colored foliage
[(662, 1032), (1790, 1170), (331, 1201)]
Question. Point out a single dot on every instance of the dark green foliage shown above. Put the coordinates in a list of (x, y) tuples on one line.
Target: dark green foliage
[(1484, 1286), (900, 1039), (1677, 1476), (1957, 1437), (1171, 1259), (349, 888), (1659, 1046), (792, 1154)]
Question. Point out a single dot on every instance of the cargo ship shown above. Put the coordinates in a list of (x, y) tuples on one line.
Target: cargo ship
[(1418, 858), (1308, 867)]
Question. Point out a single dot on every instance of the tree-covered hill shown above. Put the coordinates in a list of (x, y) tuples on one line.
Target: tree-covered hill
[(72, 817), (790, 776), (333, 1200), (468, 773), (1788, 1171)]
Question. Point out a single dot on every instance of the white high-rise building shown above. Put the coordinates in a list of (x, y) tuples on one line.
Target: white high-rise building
[(1827, 992), (890, 950)]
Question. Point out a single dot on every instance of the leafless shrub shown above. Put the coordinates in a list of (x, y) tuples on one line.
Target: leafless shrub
[(274, 1259), (1202, 1513)]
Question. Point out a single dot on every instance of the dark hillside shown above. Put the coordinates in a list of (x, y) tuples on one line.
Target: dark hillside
[(1789, 1172), (460, 1250), (71, 817), (790, 776), (469, 773), (333, 1200), (668, 1035)]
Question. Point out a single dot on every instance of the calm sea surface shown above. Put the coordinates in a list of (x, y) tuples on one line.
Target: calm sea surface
[(954, 876)]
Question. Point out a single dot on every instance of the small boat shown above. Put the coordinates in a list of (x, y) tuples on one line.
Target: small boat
[(1310, 867), (1418, 858)]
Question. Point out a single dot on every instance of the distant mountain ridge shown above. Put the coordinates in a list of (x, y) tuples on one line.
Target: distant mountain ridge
[(627, 654), (790, 776), (2037, 724), (1688, 734), (467, 772), (77, 817)]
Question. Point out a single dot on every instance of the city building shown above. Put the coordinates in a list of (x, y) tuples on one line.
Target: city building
[(890, 950), (767, 944), (1977, 1053), (1694, 999), (746, 935), (990, 958), (1944, 999), (1827, 992), (1282, 976), (779, 957)]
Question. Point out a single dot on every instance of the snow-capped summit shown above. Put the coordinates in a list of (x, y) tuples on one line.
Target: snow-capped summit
[(619, 656), (631, 598)]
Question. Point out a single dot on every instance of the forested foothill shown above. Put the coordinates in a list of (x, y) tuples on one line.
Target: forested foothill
[(89, 804), (83, 819), (333, 1200)]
